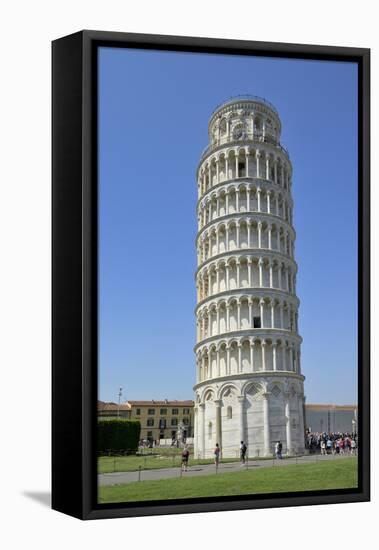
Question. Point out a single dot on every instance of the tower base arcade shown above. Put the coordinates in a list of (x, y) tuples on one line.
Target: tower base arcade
[(259, 410)]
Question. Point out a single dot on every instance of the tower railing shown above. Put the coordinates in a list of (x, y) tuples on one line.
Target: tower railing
[(254, 137), (246, 97)]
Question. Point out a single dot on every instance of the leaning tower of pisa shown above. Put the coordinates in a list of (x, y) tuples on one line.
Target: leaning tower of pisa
[(249, 385)]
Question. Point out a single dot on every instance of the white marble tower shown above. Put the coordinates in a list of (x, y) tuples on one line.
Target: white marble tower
[(249, 384)]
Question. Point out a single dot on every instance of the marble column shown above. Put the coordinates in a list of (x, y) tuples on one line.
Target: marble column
[(250, 268), (272, 313), (241, 412), (271, 278), (257, 156), (288, 423), (250, 313), (268, 194), (195, 428), (291, 359), (218, 405), (201, 430), (261, 304), (274, 356), (284, 356), (266, 425), (301, 401), (263, 348)]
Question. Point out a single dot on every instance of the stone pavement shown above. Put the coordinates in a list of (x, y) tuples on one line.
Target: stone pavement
[(119, 478)]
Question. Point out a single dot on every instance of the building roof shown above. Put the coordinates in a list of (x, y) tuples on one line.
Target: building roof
[(323, 407), (127, 405), (102, 406), (166, 402)]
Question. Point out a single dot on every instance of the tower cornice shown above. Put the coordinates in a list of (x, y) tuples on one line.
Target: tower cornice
[(256, 143), (250, 292), (253, 215), (243, 252), (250, 182), (252, 376), (255, 334)]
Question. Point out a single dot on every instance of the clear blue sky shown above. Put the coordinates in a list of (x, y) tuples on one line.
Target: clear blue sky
[(154, 109)]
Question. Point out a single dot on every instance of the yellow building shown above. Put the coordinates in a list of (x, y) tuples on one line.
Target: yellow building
[(163, 419)]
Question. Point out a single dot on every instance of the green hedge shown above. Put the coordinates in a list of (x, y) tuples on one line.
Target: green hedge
[(118, 435)]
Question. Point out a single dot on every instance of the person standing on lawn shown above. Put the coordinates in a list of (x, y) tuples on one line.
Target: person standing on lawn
[(185, 457), (278, 449), (323, 447), (243, 450), (216, 453)]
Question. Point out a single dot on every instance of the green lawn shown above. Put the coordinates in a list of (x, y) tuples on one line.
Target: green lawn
[(333, 474), (110, 464)]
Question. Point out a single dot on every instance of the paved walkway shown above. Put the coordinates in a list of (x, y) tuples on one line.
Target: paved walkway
[(118, 478)]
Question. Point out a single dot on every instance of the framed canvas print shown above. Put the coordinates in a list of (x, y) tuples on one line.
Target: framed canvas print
[(210, 275)]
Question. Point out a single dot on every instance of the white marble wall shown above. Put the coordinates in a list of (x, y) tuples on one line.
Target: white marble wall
[(249, 384), (243, 403)]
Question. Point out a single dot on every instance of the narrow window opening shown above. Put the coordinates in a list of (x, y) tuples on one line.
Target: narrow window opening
[(257, 322)]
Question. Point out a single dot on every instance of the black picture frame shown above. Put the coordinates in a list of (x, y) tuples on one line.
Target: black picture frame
[(74, 272)]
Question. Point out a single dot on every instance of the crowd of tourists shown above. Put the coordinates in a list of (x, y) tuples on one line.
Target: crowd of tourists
[(332, 443)]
